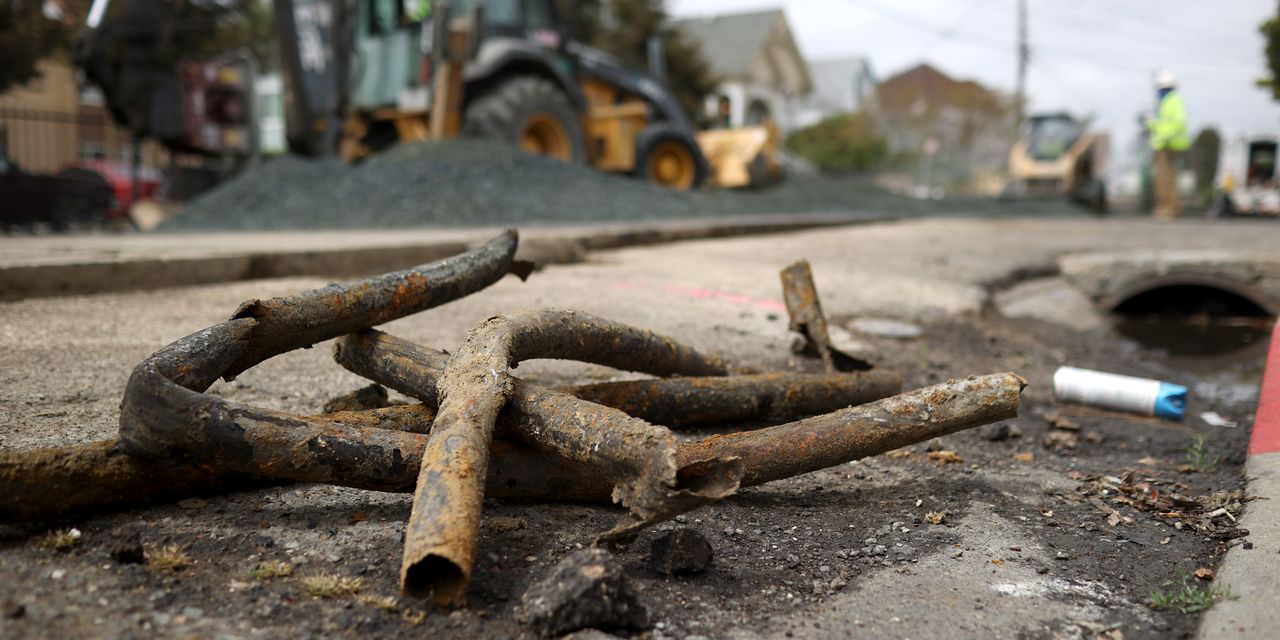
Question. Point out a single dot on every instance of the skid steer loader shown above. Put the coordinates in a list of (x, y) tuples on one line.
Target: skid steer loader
[(1058, 157)]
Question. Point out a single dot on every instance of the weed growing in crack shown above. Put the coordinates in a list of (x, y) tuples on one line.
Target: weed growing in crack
[(60, 540), (1199, 458), (328, 585), (170, 557), (269, 569), (1187, 594)]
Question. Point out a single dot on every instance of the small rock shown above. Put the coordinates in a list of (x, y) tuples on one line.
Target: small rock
[(681, 551), (996, 432), (504, 524), (1062, 556), (1058, 421), (1059, 440), (12, 609), (585, 589)]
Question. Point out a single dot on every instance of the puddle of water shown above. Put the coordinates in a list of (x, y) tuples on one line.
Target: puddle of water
[(1200, 335)]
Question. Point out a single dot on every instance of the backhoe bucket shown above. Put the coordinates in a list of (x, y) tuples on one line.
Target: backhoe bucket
[(744, 157)]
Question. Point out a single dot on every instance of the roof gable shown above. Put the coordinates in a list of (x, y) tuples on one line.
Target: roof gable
[(756, 46)]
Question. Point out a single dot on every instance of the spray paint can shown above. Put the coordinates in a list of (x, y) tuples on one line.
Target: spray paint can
[(1122, 393)]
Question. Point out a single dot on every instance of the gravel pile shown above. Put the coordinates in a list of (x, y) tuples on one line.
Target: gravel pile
[(471, 182)]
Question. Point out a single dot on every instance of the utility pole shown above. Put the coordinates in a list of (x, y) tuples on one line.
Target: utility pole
[(1024, 53)]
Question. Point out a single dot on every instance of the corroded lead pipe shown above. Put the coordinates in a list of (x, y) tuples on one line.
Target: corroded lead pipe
[(285, 324), (164, 406), (805, 311), (635, 457), (868, 430), (794, 448), (45, 484), (672, 402), (440, 540), (685, 402)]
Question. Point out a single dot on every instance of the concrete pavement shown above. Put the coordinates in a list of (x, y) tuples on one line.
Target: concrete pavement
[(64, 360), (71, 264)]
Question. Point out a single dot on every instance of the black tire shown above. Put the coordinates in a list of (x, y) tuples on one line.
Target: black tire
[(657, 135), (1098, 198), (506, 110)]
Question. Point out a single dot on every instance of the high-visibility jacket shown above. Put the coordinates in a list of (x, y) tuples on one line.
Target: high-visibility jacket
[(1169, 127)]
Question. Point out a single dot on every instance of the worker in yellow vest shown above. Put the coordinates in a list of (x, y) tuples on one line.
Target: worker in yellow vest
[(1169, 139)]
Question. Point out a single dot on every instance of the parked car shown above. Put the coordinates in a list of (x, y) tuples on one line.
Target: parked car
[(71, 196)]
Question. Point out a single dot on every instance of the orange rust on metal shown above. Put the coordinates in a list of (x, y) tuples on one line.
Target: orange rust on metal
[(413, 418), (683, 402), (285, 324), (871, 429), (440, 540), (672, 402), (163, 401), (635, 458), (51, 483), (801, 296)]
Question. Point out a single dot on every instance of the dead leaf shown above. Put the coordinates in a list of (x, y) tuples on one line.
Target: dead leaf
[(1166, 540), (1113, 519), (900, 453), (1024, 457), (1205, 573), (935, 517), (1148, 461), (945, 457), (1094, 437), (997, 561), (191, 503), (359, 516), (1048, 513)]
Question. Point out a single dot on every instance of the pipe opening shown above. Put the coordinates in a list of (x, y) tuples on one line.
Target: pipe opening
[(1193, 319), (438, 578)]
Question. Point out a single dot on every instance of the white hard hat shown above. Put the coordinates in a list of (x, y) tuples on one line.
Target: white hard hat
[(1165, 79)]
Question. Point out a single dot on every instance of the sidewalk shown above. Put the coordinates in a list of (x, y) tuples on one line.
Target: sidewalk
[(66, 265), (1251, 569)]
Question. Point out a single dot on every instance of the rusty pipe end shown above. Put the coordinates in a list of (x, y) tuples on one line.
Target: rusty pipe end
[(436, 577)]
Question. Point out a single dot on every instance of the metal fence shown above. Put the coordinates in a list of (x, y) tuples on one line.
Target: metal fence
[(44, 140)]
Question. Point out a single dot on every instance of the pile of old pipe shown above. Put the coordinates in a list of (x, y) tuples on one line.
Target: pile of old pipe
[(176, 440)]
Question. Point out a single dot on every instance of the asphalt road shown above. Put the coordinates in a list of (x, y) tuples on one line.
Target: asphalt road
[(64, 363)]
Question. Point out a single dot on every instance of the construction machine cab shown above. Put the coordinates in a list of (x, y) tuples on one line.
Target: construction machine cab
[(1057, 156), (1051, 135)]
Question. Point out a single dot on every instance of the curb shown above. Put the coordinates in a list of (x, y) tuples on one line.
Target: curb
[(544, 245), (1254, 573)]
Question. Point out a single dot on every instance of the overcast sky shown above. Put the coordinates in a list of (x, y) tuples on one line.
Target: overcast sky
[(1087, 56)]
